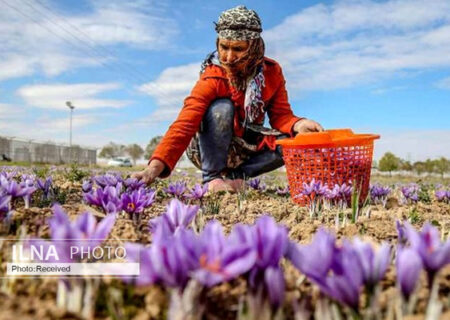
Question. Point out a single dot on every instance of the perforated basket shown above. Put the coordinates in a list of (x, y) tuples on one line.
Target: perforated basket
[(332, 157)]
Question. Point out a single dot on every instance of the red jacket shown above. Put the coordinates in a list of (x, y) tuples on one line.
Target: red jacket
[(213, 84)]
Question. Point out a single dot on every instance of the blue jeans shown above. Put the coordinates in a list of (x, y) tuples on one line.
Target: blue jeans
[(215, 137)]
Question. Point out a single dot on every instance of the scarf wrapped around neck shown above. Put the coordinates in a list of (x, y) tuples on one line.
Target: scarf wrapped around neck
[(253, 102)]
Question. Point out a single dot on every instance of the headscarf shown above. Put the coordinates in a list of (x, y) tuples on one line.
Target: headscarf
[(239, 23)]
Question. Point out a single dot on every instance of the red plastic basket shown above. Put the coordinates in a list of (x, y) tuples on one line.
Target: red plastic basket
[(332, 157)]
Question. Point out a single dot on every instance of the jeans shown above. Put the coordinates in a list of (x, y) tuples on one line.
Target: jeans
[(215, 137)]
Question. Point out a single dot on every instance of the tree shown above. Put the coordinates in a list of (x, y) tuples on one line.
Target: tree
[(429, 166), (389, 162), (135, 151), (442, 165), (112, 150), (151, 146), (406, 165), (419, 167)]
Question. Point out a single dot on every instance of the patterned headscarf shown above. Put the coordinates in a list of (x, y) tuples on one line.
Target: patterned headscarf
[(239, 23)]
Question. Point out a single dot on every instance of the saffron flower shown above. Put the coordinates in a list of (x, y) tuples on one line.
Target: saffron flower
[(177, 216), (176, 189), (373, 263), (107, 180), (379, 194), (256, 184), (331, 268), (137, 200), (84, 233), (408, 267), (132, 184), (168, 261), (198, 192), (410, 193), (442, 195), (427, 243), (282, 191), (270, 241), (220, 258), (87, 186)]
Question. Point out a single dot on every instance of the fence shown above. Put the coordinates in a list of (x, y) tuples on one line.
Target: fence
[(29, 151)]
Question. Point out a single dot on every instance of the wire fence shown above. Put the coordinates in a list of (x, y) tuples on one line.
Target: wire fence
[(36, 152)]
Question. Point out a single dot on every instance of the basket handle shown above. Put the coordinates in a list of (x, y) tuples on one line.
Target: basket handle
[(323, 137)]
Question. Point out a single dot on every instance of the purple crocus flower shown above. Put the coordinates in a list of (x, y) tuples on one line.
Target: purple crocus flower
[(408, 265), (133, 184), (221, 259), (314, 189), (442, 195), (137, 252), (5, 206), (108, 198), (305, 257), (44, 185), (282, 191), (401, 232), (12, 188), (427, 243), (87, 186), (333, 269), (379, 193), (373, 263), (168, 261), (256, 184), (137, 201), (107, 180), (411, 192), (177, 216), (176, 189), (84, 233), (270, 241), (198, 192)]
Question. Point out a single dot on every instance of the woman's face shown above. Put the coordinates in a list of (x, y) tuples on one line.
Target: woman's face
[(232, 53)]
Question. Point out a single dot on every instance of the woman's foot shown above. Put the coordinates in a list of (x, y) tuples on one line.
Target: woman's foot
[(218, 185), (237, 184)]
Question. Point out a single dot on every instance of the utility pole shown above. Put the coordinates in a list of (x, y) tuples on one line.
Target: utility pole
[(71, 107)]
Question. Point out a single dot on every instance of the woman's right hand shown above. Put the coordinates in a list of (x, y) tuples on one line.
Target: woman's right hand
[(149, 174)]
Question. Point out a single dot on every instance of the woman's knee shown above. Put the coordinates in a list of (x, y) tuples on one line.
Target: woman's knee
[(220, 114)]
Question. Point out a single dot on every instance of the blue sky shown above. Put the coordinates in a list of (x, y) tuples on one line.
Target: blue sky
[(374, 66)]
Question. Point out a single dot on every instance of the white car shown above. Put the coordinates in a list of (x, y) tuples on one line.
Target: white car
[(120, 162)]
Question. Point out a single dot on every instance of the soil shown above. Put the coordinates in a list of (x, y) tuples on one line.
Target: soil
[(35, 298)]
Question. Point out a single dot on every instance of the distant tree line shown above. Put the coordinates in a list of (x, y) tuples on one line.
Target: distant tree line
[(134, 151), (114, 150), (390, 162)]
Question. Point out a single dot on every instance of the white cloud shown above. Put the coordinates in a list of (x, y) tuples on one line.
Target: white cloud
[(172, 86), (444, 83), (356, 42), (35, 39), (10, 112), (82, 95)]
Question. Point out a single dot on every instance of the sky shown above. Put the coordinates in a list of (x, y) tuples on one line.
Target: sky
[(374, 66)]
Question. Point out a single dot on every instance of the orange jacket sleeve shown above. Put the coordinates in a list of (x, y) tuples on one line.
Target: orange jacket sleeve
[(280, 113), (180, 133)]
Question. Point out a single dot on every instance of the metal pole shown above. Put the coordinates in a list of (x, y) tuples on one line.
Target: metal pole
[(71, 106)]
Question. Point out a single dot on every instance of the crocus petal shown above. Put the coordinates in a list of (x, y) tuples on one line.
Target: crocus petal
[(274, 281), (104, 227), (86, 223), (409, 265)]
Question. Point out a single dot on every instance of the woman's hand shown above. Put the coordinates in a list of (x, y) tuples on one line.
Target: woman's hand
[(306, 125), (149, 174)]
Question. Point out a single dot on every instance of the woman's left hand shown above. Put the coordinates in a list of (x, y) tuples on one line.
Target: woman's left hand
[(306, 125)]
